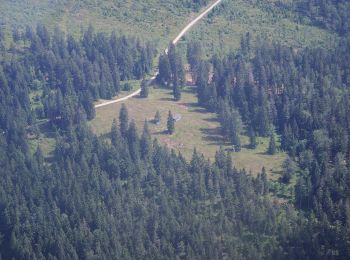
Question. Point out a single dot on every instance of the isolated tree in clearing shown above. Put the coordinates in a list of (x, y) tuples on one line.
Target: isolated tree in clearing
[(171, 123), (144, 89)]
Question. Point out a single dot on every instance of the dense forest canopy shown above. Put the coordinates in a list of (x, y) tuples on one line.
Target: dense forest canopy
[(66, 75), (330, 14), (304, 96)]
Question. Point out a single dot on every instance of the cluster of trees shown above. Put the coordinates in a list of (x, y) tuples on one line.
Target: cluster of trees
[(195, 4), (70, 74), (128, 197), (304, 95), (171, 71), (125, 196), (328, 14)]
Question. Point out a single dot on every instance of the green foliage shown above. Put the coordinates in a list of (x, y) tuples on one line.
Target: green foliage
[(123, 120), (144, 89), (176, 92), (289, 170), (127, 87), (171, 70), (272, 145), (252, 139), (170, 123)]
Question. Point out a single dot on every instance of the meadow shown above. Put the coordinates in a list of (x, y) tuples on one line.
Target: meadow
[(197, 128)]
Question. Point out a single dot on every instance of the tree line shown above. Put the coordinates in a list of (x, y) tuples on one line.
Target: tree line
[(69, 74), (304, 96)]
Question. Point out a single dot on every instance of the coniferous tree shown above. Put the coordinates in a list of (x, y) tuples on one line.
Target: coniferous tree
[(272, 145), (123, 120), (145, 142), (170, 123), (176, 92), (164, 76), (252, 138), (144, 89), (114, 133)]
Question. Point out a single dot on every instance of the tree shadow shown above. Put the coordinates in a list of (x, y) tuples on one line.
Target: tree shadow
[(162, 132), (190, 90), (213, 136), (167, 99), (211, 120), (47, 129)]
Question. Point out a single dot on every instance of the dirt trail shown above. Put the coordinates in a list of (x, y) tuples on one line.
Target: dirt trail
[(178, 37)]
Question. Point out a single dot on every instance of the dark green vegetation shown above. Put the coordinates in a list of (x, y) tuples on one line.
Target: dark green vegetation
[(305, 96), (66, 76), (171, 71), (156, 20), (284, 21), (329, 14)]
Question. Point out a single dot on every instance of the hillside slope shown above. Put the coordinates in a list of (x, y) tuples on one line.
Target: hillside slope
[(154, 19)]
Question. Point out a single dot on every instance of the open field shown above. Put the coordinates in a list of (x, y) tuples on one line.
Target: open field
[(150, 20), (224, 27), (197, 128), (160, 21)]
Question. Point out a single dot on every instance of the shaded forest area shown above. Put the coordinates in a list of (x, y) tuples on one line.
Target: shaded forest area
[(304, 96), (66, 75), (125, 196)]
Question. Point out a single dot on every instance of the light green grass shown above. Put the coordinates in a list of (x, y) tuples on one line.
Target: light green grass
[(198, 129), (223, 28), (158, 20)]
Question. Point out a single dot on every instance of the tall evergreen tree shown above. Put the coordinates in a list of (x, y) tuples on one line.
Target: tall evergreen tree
[(176, 91), (170, 123), (123, 120), (272, 145), (146, 142), (252, 138), (144, 89)]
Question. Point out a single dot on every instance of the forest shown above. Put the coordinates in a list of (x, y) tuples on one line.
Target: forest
[(123, 195)]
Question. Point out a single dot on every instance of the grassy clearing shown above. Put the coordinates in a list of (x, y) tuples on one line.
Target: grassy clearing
[(158, 20), (197, 128), (224, 27)]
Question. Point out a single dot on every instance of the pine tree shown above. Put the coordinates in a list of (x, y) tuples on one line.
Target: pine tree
[(272, 145), (133, 140), (146, 142), (171, 123), (144, 89), (176, 92), (164, 76), (114, 133), (252, 139), (123, 120)]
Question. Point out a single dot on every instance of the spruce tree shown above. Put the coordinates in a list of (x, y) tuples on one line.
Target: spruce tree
[(123, 120), (114, 133), (133, 140), (146, 142), (252, 139), (176, 91), (144, 89), (272, 145), (171, 123)]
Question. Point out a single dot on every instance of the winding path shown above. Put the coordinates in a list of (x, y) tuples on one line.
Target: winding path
[(175, 41)]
